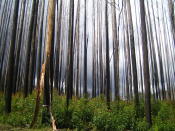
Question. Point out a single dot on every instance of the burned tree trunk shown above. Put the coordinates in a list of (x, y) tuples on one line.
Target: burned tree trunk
[(107, 57), (10, 68), (172, 20), (28, 50), (85, 54), (133, 56), (58, 50), (69, 91), (116, 54), (145, 64), (78, 48), (45, 66)]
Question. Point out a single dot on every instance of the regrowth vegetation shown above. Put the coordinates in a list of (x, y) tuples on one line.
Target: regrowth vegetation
[(89, 114)]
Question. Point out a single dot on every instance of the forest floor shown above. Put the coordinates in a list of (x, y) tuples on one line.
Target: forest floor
[(86, 114), (4, 127)]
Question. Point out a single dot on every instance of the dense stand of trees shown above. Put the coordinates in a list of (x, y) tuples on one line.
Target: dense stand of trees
[(110, 49)]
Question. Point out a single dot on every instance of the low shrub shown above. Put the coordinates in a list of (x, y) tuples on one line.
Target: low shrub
[(91, 114), (83, 114), (156, 108), (164, 126), (141, 125), (164, 113)]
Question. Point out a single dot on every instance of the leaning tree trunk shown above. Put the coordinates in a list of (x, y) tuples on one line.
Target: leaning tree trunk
[(48, 42)]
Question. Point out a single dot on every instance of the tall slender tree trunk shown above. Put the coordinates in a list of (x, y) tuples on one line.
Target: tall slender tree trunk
[(116, 54), (128, 66), (159, 55), (31, 75), (172, 19), (69, 91), (78, 48), (107, 57), (18, 49), (10, 68), (133, 56), (28, 50), (85, 53), (94, 54), (58, 50), (145, 64), (153, 55)]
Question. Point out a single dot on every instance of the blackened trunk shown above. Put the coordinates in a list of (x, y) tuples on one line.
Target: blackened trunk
[(107, 57), (133, 57), (10, 68), (28, 50), (69, 91), (85, 54), (145, 65)]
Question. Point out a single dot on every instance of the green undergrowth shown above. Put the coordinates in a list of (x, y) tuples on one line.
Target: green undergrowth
[(89, 114)]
